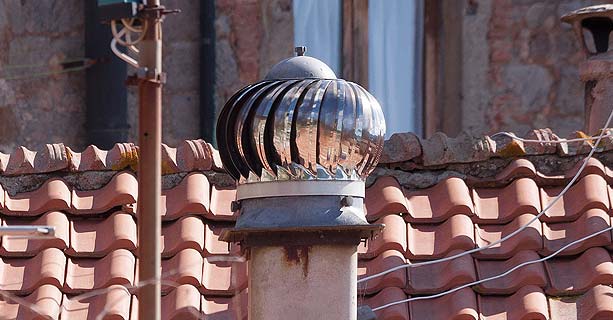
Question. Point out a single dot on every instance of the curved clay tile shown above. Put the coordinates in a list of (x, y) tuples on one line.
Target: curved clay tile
[(460, 305), (577, 275), (122, 156), (528, 303), (111, 304), (4, 159), (589, 192), (387, 295), (182, 303), (557, 235), (528, 239), (596, 304), (54, 194), (83, 274), (17, 273), (223, 278), (98, 237), (384, 197), (221, 200), (121, 190), (385, 261), (501, 205), (533, 274), (435, 241), (435, 204), (224, 307), (169, 159), (24, 247), (212, 244), (517, 168), (21, 161), (53, 157), (438, 277), (47, 299), (191, 195), (184, 268), (92, 158), (187, 232), (194, 155), (393, 237)]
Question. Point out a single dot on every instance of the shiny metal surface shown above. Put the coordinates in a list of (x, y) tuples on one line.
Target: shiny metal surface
[(301, 129)]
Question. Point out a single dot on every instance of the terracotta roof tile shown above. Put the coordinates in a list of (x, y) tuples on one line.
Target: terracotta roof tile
[(83, 274), (387, 199), (98, 237), (92, 158), (387, 295), (384, 261), (430, 279), (112, 304), (528, 239), (182, 303), (187, 232), (221, 199), (495, 205), (528, 303), (194, 155), (189, 196), (556, 235), (54, 194), (223, 278), (591, 189), (121, 190), (47, 299), (393, 237), (577, 275), (21, 161), (225, 308), (48, 266), (184, 268), (461, 305), (24, 247), (435, 241), (517, 168), (595, 304), (533, 274), (436, 204), (212, 243)]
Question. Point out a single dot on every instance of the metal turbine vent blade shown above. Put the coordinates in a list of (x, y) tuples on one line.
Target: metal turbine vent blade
[(301, 123)]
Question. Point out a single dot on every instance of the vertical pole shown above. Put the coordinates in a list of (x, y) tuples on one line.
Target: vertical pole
[(149, 168)]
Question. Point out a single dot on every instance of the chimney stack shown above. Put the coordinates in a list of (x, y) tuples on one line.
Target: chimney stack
[(301, 143), (593, 26)]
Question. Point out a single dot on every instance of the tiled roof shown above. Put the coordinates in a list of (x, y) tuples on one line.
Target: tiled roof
[(436, 210), (434, 205), (89, 267)]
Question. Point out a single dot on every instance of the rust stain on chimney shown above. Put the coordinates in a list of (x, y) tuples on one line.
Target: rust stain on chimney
[(298, 255)]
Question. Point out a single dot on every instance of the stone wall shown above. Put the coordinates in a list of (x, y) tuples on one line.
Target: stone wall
[(38, 109), (520, 67)]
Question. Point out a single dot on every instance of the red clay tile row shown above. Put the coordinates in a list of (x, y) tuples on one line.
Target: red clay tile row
[(433, 241), (184, 302), (193, 194), (528, 303), (212, 275), (97, 237), (190, 155), (491, 205)]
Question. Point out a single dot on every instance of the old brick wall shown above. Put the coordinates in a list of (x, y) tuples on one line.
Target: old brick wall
[(251, 35), (520, 67)]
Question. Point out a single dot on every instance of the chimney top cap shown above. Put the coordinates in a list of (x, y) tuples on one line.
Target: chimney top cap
[(603, 10)]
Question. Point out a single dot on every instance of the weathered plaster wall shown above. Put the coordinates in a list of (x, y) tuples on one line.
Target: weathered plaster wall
[(520, 67)]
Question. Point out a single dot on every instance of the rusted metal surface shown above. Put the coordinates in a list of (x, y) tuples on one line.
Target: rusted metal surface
[(298, 255)]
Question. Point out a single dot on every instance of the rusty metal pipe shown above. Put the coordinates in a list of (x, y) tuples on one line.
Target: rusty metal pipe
[(149, 167)]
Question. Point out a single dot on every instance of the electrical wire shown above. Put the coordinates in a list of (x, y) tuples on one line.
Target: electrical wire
[(512, 234), (474, 283), (514, 137)]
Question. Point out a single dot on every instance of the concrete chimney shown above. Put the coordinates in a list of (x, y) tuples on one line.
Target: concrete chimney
[(300, 143), (592, 27)]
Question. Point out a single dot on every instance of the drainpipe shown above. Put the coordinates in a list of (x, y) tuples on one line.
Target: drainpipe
[(300, 143), (592, 27), (207, 71)]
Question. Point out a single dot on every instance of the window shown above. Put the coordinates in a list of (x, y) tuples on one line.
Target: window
[(373, 43)]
